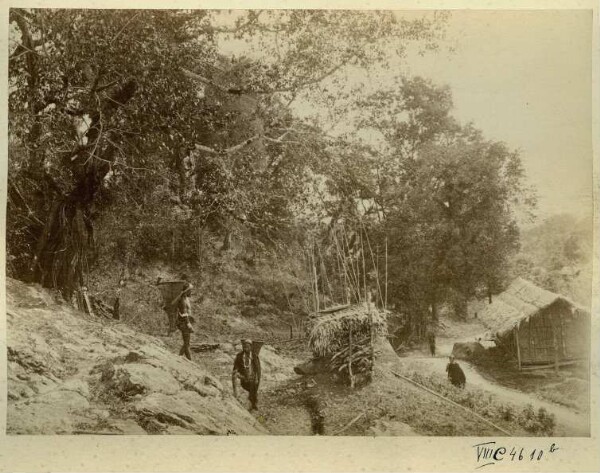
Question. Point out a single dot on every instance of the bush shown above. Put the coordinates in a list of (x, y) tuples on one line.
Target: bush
[(541, 423)]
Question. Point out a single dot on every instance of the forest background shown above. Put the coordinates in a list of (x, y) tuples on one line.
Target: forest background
[(260, 151)]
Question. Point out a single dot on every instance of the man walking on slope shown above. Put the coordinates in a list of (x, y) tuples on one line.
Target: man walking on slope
[(184, 320), (246, 367)]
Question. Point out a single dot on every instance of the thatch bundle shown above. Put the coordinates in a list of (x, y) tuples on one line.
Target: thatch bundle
[(521, 301), (330, 336)]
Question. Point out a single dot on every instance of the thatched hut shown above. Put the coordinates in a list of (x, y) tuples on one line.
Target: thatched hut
[(343, 336), (537, 326)]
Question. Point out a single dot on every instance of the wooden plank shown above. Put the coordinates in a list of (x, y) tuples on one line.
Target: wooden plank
[(518, 347), (555, 346), (532, 350), (551, 365), (562, 337)]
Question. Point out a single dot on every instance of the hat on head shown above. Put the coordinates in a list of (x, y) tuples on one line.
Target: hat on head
[(246, 341)]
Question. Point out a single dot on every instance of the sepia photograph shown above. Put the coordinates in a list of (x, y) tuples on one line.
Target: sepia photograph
[(300, 222)]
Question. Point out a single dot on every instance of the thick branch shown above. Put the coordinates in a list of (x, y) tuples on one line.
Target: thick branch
[(292, 88), (106, 86), (227, 151), (204, 80), (280, 141)]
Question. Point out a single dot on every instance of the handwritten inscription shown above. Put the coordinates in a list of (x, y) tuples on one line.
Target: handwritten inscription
[(490, 453)]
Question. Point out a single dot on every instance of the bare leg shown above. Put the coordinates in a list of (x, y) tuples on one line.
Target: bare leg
[(185, 349)]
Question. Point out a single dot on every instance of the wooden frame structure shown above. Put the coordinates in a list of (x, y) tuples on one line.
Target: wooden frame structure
[(537, 326)]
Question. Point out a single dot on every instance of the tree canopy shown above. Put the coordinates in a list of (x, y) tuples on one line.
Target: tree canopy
[(138, 126)]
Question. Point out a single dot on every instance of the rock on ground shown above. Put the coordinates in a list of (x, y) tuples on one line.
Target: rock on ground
[(468, 350), (69, 373)]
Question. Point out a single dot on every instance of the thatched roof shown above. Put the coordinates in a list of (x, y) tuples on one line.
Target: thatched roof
[(330, 330), (519, 302)]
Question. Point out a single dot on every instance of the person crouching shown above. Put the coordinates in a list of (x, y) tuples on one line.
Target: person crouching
[(246, 368), (455, 373)]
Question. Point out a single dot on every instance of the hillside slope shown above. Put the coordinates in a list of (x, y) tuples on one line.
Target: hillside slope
[(556, 254), (71, 374)]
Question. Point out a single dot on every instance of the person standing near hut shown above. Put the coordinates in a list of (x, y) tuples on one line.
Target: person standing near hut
[(431, 341), (246, 368), (184, 320), (455, 373)]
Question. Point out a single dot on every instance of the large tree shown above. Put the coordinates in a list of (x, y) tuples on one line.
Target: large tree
[(443, 196), (139, 101), (91, 91)]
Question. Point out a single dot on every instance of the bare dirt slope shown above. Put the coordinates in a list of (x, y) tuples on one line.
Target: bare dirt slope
[(70, 374)]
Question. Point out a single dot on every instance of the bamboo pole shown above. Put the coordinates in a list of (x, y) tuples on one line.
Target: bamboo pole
[(362, 248), (355, 271), (373, 262), (350, 359), (314, 270), (323, 269), (368, 299), (341, 272), (301, 290), (452, 402), (285, 292), (386, 273), (350, 283)]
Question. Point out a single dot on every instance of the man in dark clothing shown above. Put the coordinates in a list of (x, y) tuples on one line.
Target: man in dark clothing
[(431, 340), (246, 368), (455, 373), (184, 320)]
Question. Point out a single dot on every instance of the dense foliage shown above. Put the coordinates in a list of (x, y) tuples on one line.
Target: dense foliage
[(133, 134), (556, 255)]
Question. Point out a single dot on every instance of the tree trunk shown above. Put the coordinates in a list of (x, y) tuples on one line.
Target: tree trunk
[(460, 305), (63, 249), (434, 308), (227, 241)]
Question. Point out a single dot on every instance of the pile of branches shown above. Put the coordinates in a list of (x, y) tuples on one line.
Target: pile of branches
[(359, 358), (344, 337)]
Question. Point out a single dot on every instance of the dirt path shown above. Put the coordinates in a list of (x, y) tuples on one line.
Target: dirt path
[(568, 422)]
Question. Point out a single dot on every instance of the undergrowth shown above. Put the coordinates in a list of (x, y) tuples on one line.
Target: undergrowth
[(539, 423)]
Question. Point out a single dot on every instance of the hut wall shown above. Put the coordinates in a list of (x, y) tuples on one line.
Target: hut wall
[(526, 343), (536, 335), (576, 331)]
